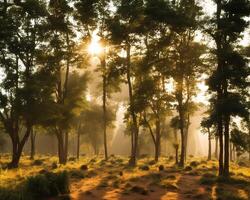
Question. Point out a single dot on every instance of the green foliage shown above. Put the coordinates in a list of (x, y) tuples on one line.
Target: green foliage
[(47, 185)]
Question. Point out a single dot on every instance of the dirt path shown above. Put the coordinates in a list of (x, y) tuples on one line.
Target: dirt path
[(187, 188)]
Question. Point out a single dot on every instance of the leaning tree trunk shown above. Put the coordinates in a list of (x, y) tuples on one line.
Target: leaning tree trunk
[(17, 146)]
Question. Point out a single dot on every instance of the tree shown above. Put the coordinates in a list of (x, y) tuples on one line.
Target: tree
[(94, 16), (20, 37), (60, 58), (125, 27), (229, 79), (92, 117), (175, 125), (153, 105), (207, 126)]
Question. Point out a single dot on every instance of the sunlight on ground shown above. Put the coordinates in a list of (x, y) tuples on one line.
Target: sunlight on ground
[(114, 179)]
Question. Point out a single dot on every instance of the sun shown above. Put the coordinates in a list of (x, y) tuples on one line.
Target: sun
[(95, 48)]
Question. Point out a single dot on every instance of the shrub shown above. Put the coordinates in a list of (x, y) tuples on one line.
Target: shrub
[(6, 194), (76, 174), (194, 164), (161, 168), (188, 168), (72, 159), (84, 167), (37, 162), (139, 190), (208, 179), (47, 185), (144, 168), (151, 162)]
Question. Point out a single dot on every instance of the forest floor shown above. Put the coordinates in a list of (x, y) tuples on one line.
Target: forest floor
[(94, 179)]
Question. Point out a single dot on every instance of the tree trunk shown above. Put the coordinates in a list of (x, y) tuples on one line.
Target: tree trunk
[(78, 145), (182, 158), (220, 132), (209, 145), (62, 140), (17, 146), (216, 147), (104, 85), (176, 154), (231, 152), (32, 144), (157, 139), (15, 153), (186, 136), (66, 147), (134, 132), (226, 148)]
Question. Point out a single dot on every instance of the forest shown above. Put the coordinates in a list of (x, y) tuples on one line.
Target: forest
[(124, 99)]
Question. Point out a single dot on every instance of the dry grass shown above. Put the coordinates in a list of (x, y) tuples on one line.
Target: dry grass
[(114, 179)]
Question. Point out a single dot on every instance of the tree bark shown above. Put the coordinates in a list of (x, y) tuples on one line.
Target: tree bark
[(216, 147), (17, 146), (32, 144), (220, 131), (62, 140), (78, 143), (134, 132), (157, 139), (231, 152), (226, 148), (209, 145), (104, 98)]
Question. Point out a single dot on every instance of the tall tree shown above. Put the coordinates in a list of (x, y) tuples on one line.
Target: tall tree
[(229, 79), (93, 17), (20, 102), (125, 27)]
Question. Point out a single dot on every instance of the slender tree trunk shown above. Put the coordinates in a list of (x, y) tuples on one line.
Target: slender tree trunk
[(216, 147), (176, 154), (66, 147), (104, 98), (226, 148), (176, 146), (157, 139), (209, 145), (220, 131), (32, 144), (182, 158), (186, 136), (78, 144), (134, 132), (231, 152)]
